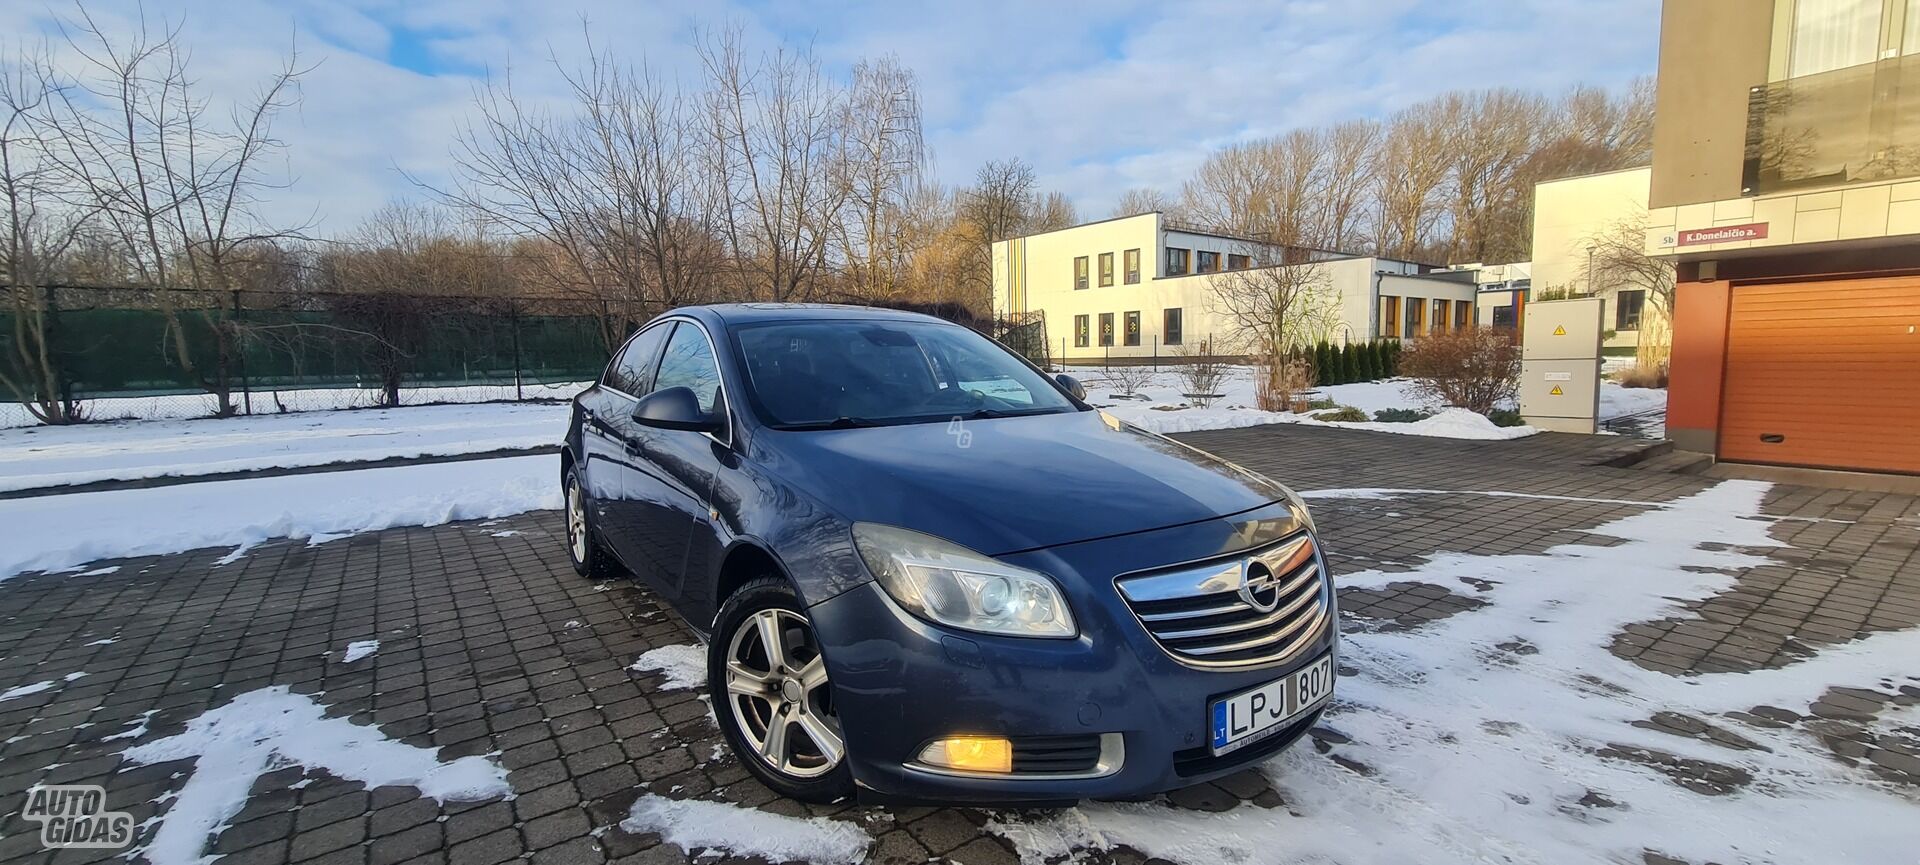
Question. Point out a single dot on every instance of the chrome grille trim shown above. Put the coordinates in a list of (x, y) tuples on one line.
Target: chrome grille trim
[(1199, 614)]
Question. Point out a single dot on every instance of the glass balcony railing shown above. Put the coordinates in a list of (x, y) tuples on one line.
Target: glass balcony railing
[(1851, 125)]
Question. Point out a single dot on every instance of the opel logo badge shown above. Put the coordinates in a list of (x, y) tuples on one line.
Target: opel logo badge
[(1259, 587)]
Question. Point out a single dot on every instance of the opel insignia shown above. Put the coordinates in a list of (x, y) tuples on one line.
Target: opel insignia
[(926, 570)]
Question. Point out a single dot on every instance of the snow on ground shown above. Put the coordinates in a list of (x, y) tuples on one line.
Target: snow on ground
[(60, 532), (273, 727), (267, 403), (359, 649), (742, 831), (45, 456), (684, 666), (1482, 734), (1162, 411)]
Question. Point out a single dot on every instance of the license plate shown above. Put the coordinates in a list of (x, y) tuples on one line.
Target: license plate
[(1255, 714)]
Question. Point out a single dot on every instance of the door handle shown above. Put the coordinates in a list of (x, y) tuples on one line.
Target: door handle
[(1772, 438)]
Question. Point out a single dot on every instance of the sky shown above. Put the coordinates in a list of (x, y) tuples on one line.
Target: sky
[(1097, 96)]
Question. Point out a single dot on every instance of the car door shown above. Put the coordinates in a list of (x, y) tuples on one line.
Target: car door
[(669, 482), (607, 416)]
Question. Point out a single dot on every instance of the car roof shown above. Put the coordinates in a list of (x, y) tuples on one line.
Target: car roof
[(755, 313)]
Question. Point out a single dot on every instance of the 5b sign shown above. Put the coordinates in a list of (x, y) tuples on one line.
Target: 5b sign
[(76, 815)]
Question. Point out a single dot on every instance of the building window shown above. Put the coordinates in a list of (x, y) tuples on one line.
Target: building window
[(1080, 273), (1132, 263), (1462, 314), (1389, 317), (1236, 261), (1416, 318), (1170, 326), (1206, 262), (1834, 34), (1131, 336), (1507, 316), (1626, 309), (1440, 316), (1176, 261), (1106, 328), (1081, 326), (1106, 269)]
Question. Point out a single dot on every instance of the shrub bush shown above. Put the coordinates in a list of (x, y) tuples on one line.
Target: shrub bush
[(1643, 375), (1323, 363), (1322, 404), (1401, 415), (1343, 414), (1477, 368), (1506, 417), (1350, 362)]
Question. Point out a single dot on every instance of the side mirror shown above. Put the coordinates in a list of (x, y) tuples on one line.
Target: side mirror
[(674, 408), (1073, 386)]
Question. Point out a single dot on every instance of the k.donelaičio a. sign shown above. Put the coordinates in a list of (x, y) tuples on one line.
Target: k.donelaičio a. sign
[(1723, 234)]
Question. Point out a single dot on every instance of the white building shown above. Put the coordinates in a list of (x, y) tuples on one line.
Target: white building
[(1141, 286)]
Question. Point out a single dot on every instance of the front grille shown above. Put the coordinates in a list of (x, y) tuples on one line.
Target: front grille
[(1255, 608), (1055, 754)]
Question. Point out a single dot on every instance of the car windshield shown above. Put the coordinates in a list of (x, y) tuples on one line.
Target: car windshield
[(833, 373)]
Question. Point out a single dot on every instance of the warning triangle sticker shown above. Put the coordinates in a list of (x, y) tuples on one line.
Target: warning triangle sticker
[(1560, 330), (1555, 391)]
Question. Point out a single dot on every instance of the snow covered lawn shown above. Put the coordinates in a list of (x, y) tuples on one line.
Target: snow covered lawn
[(1165, 410), (267, 403), (33, 457), (61, 532)]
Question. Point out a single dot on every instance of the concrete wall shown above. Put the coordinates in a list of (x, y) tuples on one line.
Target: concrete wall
[(1862, 212), (1711, 52), (1567, 215)]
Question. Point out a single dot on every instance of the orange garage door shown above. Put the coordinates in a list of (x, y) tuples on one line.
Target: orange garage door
[(1824, 374)]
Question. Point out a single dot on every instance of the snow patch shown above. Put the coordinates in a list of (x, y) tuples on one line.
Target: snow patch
[(741, 831), (359, 649), (18, 691), (684, 666), (1475, 753), (52, 533), (273, 728)]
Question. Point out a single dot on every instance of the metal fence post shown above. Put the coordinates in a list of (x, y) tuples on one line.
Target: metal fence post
[(519, 391), (1156, 352), (240, 357)]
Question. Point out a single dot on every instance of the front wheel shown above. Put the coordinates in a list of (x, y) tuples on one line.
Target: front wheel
[(768, 680)]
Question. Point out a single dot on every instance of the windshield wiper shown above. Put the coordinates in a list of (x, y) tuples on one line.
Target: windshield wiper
[(841, 422)]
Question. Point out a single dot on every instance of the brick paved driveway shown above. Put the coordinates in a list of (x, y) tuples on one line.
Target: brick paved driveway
[(489, 644)]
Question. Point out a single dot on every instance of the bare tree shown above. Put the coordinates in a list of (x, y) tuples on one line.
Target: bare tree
[(615, 191), (1349, 181), (886, 158), (776, 142), (174, 187), (39, 232), (1141, 200), (1620, 261), (1491, 135), (1411, 170), (1056, 211), (1001, 203), (1274, 310)]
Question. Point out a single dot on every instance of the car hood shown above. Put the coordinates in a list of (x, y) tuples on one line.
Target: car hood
[(1008, 484)]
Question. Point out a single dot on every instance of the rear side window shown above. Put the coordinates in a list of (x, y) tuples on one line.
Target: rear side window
[(689, 363), (632, 372)]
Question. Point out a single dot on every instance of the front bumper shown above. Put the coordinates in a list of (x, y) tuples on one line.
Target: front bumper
[(900, 682)]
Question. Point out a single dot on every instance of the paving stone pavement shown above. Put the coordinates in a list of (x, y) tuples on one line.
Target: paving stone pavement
[(489, 644)]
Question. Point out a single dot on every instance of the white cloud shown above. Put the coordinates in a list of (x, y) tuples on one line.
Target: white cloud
[(1097, 96)]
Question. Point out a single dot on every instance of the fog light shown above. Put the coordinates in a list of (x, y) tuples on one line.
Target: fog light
[(970, 754)]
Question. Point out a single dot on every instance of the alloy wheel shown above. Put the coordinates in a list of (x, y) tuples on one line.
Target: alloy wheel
[(576, 519), (777, 687)]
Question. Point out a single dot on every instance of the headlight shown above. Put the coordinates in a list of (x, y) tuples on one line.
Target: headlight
[(946, 583), (1299, 506)]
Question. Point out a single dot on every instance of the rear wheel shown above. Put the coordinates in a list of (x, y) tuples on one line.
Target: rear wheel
[(768, 680), (588, 556)]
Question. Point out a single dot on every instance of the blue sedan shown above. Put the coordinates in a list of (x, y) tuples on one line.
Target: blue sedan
[(928, 571)]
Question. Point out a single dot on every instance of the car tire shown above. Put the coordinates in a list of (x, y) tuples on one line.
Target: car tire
[(590, 558), (754, 692)]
